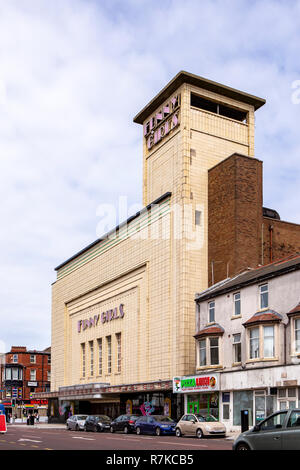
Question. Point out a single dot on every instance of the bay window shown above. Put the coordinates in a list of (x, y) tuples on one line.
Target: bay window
[(262, 342), (269, 345), (214, 351), (254, 343), (297, 335), (202, 351), (208, 352)]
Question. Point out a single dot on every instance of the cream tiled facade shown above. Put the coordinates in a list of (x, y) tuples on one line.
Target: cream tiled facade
[(154, 264)]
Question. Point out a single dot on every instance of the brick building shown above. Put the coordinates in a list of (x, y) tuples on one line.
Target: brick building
[(241, 232), (23, 373), (123, 307)]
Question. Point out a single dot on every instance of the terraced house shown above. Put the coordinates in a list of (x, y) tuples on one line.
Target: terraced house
[(248, 337), (123, 314)]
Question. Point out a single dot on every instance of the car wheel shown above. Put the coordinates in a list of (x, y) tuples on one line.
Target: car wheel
[(138, 431), (126, 430), (242, 446), (178, 432), (111, 429), (199, 433), (68, 429), (158, 431)]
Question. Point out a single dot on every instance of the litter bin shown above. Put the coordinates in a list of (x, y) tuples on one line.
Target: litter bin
[(31, 420)]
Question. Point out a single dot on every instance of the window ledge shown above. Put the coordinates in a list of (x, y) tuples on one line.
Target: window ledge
[(262, 359), (209, 367), (236, 364), (234, 317)]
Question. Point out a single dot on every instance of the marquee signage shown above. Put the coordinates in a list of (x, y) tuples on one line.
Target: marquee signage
[(165, 120), (39, 402), (104, 317), (140, 387), (196, 383)]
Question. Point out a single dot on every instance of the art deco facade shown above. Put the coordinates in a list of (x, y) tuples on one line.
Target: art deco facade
[(123, 308)]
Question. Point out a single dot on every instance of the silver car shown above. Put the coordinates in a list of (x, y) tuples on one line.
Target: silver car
[(199, 425), (76, 422), (279, 431)]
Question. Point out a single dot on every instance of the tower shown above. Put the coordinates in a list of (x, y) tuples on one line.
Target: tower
[(190, 126)]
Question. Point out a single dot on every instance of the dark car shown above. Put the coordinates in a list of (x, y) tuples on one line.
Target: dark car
[(279, 431), (97, 423), (124, 423), (155, 424)]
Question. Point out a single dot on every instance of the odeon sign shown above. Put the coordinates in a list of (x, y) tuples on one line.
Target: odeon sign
[(104, 317), (165, 120)]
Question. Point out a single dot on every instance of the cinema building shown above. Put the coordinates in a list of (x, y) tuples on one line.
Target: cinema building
[(123, 313)]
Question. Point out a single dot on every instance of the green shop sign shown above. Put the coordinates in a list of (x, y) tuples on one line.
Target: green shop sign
[(196, 383)]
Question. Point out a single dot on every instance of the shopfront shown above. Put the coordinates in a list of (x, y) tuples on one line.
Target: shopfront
[(155, 403), (200, 392)]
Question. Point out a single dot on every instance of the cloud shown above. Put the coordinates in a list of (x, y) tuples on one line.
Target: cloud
[(73, 74)]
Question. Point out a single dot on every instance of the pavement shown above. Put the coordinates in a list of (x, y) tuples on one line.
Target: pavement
[(39, 425)]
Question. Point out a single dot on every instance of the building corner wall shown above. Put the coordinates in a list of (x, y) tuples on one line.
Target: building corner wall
[(234, 216)]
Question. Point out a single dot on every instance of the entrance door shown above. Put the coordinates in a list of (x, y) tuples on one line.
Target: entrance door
[(193, 407), (204, 404), (260, 408)]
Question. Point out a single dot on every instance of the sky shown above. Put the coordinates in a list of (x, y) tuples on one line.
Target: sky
[(73, 74)]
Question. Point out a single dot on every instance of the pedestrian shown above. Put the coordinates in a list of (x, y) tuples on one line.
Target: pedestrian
[(37, 416)]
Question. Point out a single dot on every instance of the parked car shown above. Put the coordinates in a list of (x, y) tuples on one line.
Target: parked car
[(279, 431), (124, 423), (200, 425), (155, 424), (76, 422), (97, 423)]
